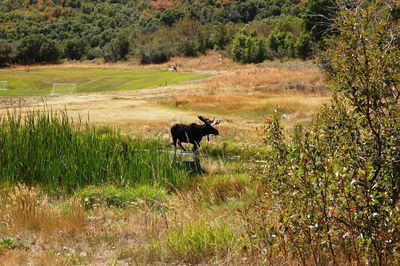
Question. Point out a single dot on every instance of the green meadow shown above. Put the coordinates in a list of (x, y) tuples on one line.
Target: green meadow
[(39, 81)]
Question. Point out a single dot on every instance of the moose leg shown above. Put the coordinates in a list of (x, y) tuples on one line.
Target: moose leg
[(174, 141), (196, 146), (180, 145)]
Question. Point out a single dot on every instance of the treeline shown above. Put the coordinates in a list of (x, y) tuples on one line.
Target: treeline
[(43, 31)]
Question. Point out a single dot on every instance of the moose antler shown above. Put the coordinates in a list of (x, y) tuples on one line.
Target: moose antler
[(204, 119), (209, 121)]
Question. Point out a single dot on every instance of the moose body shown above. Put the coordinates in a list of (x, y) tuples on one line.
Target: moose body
[(192, 133)]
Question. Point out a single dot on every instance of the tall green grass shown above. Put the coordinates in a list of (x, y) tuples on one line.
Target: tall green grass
[(48, 148)]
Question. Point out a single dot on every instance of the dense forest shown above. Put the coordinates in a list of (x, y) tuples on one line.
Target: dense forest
[(40, 31)]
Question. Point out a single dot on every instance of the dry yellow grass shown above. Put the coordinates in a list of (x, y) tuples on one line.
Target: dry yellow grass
[(27, 209)]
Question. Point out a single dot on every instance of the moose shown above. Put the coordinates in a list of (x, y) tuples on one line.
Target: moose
[(193, 133)]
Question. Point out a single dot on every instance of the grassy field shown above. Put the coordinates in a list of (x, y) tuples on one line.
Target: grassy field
[(86, 187), (39, 81)]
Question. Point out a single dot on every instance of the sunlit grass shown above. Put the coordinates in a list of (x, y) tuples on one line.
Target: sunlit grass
[(47, 148), (39, 81)]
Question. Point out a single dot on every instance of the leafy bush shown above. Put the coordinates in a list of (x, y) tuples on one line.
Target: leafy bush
[(74, 49), (303, 46), (336, 184), (117, 49), (248, 49), (6, 53), (281, 44)]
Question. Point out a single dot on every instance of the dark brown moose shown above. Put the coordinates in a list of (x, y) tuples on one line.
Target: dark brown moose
[(193, 133)]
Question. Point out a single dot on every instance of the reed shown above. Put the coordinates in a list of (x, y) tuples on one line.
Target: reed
[(46, 147)]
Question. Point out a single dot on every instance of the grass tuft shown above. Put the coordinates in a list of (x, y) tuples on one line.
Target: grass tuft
[(122, 197), (224, 186), (29, 209), (198, 241)]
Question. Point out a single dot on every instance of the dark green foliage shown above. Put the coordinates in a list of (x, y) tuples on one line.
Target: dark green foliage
[(319, 15), (29, 48), (279, 44), (190, 38), (36, 49), (74, 49), (6, 53), (117, 49), (155, 48), (82, 27), (49, 52)]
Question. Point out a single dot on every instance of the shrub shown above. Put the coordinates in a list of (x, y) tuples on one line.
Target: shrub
[(117, 49), (281, 44), (74, 49), (49, 52), (29, 48), (6, 53), (7, 242), (335, 184), (248, 49), (303, 47)]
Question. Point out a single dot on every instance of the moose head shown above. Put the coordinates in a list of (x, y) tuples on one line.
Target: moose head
[(193, 133)]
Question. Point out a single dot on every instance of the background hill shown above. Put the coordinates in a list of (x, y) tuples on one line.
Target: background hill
[(38, 31)]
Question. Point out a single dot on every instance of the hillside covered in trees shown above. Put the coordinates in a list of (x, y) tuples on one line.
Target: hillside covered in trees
[(40, 31)]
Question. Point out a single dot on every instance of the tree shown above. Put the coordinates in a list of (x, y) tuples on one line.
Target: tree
[(303, 45), (29, 48), (117, 49), (49, 52), (74, 49), (190, 37), (6, 53), (365, 62), (319, 16), (336, 183), (248, 49)]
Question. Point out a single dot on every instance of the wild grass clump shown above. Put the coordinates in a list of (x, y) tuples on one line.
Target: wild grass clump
[(198, 241), (48, 148), (29, 209), (220, 188), (123, 197)]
